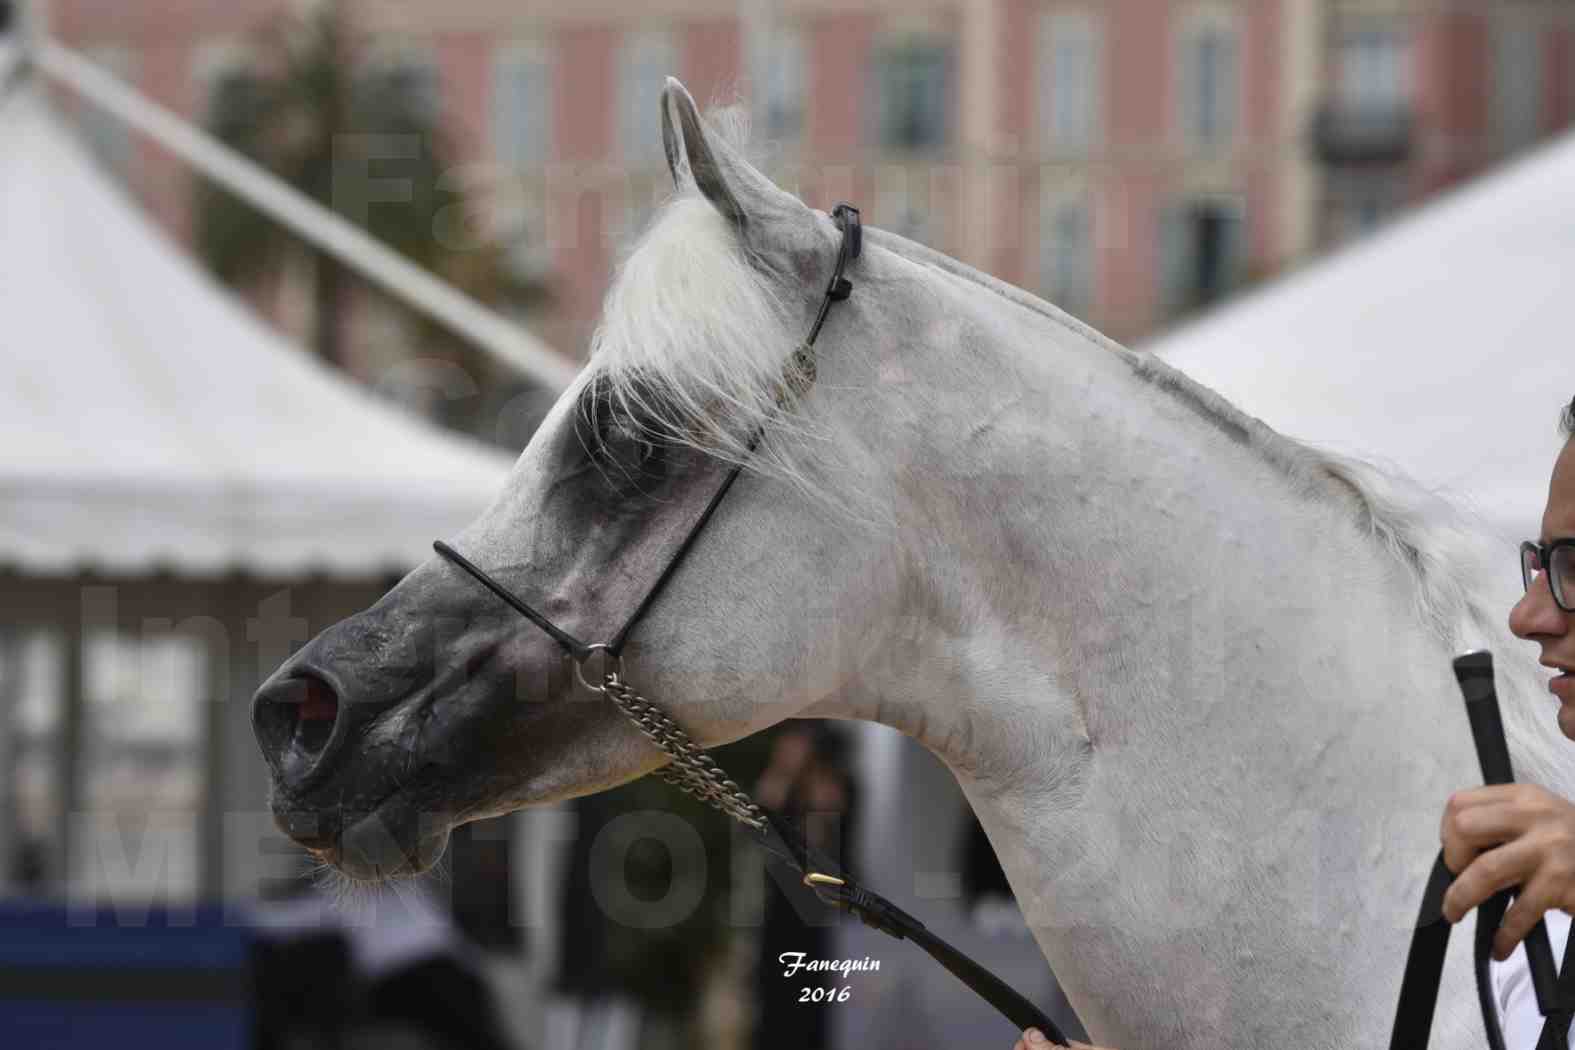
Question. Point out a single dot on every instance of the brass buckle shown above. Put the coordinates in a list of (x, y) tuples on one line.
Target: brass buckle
[(820, 882)]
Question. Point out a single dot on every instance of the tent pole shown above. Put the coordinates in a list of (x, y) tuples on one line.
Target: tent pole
[(68, 747), (10, 698), (315, 224), (218, 660)]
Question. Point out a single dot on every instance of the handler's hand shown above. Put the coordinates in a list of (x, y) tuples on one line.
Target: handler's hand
[(1034, 1039), (1510, 835)]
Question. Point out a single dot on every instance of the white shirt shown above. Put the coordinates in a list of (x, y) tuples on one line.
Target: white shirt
[(1517, 1000), (385, 930)]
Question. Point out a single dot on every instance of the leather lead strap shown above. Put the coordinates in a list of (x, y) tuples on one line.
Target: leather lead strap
[(1424, 969), (1424, 966), (836, 887), (1556, 1029)]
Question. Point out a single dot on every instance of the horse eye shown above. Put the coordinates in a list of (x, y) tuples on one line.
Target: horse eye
[(626, 444), (617, 441)]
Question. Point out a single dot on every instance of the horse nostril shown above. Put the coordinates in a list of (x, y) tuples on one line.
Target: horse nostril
[(294, 718)]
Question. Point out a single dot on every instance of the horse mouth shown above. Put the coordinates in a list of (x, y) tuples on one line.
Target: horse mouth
[(387, 839)]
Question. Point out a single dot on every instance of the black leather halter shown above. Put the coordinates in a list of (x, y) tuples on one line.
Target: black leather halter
[(846, 216), (775, 833)]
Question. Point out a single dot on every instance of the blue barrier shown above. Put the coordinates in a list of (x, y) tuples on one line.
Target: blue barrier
[(76, 977)]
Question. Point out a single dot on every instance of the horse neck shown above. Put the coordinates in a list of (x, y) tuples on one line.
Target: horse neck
[(1076, 525), (1161, 659)]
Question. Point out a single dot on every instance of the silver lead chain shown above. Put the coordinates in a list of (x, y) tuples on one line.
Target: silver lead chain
[(692, 771)]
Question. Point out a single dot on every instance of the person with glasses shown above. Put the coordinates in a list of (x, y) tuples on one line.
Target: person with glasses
[(1523, 834), (1518, 834)]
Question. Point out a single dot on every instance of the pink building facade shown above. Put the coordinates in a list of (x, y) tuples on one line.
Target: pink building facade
[(1130, 160), (1418, 97)]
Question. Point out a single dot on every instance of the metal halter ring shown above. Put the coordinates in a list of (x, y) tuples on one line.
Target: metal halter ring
[(612, 669)]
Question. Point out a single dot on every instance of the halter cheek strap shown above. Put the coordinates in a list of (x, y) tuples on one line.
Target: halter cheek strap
[(847, 219), (695, 772)]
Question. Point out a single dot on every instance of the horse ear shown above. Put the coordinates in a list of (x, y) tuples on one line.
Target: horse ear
[(697, 157), (672, 138)]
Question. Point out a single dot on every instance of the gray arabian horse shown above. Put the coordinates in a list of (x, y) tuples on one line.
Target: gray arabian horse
[(1192, 676)]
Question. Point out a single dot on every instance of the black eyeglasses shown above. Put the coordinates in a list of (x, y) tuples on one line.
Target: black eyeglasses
[(1558, 559)]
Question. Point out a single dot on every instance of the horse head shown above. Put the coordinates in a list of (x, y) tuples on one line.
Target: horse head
[(439, 705)]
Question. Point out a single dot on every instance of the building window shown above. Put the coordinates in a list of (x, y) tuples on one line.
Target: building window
[(645, 61), (1373, 69), (629, 209), (904, 204), (1517, 82), (522, 225), (1071, 75), (1066, 255), (1209, 90), (32, 709), (1569, 76), (141, 768), (408, 80), (231, 89), (110, 138), (782, 85), (1201, 252), (522, 136), (1359, 203), (913, 90), (522, 105)]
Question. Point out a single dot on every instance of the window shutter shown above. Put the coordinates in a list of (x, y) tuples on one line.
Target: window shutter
[(1233, 233), (522, 106), (1175, 258)]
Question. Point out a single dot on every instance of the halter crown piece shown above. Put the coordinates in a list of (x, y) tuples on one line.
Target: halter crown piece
[(697, 774)]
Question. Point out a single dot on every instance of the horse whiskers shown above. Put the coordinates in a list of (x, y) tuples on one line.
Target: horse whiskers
[(344, 894)]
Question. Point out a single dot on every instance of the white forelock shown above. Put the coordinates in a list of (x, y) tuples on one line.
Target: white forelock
[(696, 348)]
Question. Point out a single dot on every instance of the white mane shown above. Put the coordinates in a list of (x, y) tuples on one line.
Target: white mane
[(1447, 555), (692, 341), (1451, 559)]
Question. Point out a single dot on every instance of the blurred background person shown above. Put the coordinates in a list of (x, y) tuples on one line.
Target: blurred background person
[(806, 780), (389, 969)]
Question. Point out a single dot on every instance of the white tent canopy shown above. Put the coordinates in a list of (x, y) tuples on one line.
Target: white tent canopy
[(149, 422), (1443, 346)]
